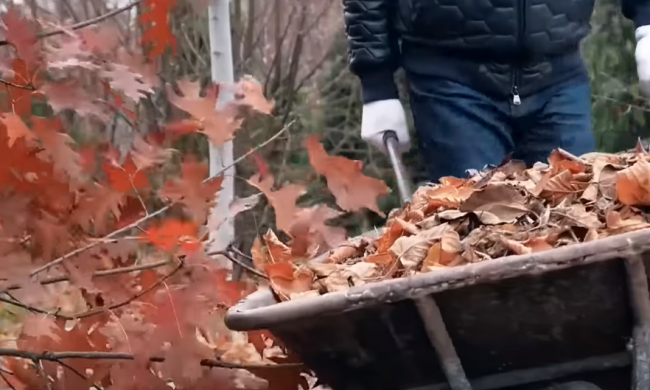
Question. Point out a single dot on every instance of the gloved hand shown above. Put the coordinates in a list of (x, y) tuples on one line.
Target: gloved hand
[(380, 116), (642, 56)]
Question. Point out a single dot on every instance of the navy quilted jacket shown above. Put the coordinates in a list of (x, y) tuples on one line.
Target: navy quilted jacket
[(500, 47)]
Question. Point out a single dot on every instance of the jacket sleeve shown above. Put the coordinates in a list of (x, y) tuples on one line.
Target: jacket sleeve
[(637, 11), (372, 43)]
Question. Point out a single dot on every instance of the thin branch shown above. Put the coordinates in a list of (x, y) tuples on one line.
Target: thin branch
[(79, 374), (155, 213), (4, 378), (84, 24), (57, 356), (102, 273), (230, 257), (97, 310), (28, 87)]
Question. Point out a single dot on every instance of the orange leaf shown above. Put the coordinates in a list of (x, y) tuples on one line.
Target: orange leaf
[(16, 128), (633, 184), (21, 34), (445, 252), (218, 125), (173, 233), (157, 35), (126, 178), (286, 280), (533, 245), (283, 200), (56, 145), (352, 189), (190, 190), (249, 93)]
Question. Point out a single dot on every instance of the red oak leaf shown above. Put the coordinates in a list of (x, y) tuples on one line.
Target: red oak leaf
[(218, 125), (56, 145), (21, 34), (353, 190), (283, 200), (157, 35), (16, 128), (125, 178), (173, 233), (191, 190)]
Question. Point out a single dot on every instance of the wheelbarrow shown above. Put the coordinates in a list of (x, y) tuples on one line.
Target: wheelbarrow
[(577, 315)]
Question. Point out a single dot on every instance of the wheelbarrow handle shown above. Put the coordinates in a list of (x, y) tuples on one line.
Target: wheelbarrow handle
[(403, 184)]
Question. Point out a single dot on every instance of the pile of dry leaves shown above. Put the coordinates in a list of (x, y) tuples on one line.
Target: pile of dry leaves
[(508, 210)]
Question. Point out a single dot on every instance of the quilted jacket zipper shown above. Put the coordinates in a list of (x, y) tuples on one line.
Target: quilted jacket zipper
[(520, 6)]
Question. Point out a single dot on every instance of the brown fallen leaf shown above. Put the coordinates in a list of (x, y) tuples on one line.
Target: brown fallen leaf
[(617, 225), (500, 203), (633, 184), (537, 244), (445, 252), (286, 280), (412, 250)]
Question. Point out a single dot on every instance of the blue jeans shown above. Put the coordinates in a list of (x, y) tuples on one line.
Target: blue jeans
[(460, 128)]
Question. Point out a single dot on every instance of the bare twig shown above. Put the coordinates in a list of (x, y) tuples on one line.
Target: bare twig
[(232, 258), (102, 273), (28, 87), (57, 356), (85, 23), (97, 310), (155, 213)]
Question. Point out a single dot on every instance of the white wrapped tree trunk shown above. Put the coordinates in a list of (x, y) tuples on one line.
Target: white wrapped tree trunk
[(220, 157)]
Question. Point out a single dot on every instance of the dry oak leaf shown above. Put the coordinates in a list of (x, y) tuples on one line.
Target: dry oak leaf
[(286, 280), (495, 204), (556, 188), (15, 128), (157, 35), (249, 93), (603, 181), (353, 190), (310, 234), (445, 252), (145, 155), (131, 84), (41, 325), (616, 224), (70, 95), (270, 252), (191, 190), (633, 184), (126, 178), (535, 244), (172, 234), (412, 250), (219, 125), (448, 196), (56, 147), (577, 215), (21, 34), (558, 163), (347, 251), (95, 206), (283, 200)]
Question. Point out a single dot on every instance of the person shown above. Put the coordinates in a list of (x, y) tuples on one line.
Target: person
[(487, 78)]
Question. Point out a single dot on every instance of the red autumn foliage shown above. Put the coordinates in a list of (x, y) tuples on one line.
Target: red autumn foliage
[(117, 294)]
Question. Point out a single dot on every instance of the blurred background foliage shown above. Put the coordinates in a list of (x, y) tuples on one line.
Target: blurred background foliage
[(303, 65), (297, 50)]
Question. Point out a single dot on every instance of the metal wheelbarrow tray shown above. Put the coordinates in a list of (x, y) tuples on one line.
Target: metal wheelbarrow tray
[(575, 312)]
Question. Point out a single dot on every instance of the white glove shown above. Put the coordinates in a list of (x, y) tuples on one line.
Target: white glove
[(642, 56), (381, 116)]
